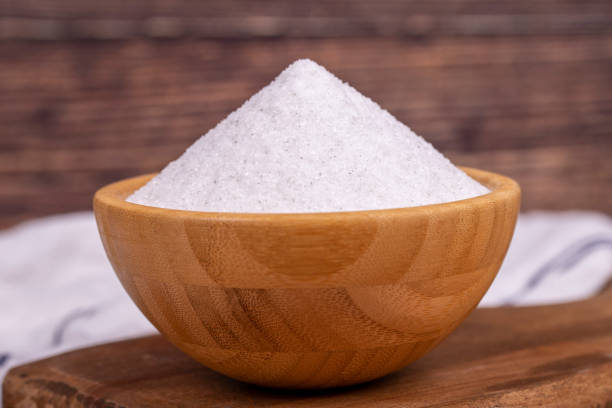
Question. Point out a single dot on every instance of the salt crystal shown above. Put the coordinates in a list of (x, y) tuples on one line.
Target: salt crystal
[(307, 142)]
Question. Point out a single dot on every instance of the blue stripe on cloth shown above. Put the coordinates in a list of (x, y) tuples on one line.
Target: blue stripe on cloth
[(60, 330), (565, 260)]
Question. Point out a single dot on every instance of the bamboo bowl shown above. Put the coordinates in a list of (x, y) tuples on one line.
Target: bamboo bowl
[(308, 300)]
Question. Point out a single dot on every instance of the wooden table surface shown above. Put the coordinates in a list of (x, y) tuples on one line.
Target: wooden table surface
[(553, 356)]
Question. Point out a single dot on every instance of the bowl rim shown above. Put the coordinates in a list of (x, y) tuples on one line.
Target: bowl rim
[(502, 188)]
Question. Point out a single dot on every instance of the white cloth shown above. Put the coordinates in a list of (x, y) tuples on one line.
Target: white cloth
[(58, 291), (554, 257)]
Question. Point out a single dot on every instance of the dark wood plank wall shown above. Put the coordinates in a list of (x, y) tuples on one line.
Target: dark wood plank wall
[(96, 91)]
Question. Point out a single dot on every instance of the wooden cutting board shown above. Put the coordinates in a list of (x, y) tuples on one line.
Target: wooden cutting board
[(553, 356)]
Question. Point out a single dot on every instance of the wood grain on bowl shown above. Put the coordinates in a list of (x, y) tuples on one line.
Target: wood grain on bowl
[(308, 300)]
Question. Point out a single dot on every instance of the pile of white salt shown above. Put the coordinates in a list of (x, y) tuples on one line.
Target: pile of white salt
[(307, 142)]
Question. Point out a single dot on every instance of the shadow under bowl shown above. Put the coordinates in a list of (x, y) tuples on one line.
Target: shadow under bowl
[(309, 300)]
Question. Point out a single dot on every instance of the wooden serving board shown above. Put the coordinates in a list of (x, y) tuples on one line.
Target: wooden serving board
[(507, 357)]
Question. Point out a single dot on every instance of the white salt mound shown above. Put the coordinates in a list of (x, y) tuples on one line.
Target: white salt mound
[(307, 142)]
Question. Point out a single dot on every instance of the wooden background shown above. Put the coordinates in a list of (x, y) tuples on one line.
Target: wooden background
[(95, 91)]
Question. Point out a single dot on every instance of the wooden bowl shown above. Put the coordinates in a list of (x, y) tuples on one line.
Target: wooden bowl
[(308, 300)]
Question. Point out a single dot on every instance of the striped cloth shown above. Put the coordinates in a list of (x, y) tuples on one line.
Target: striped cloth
[(58, 292), (554, 257)]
